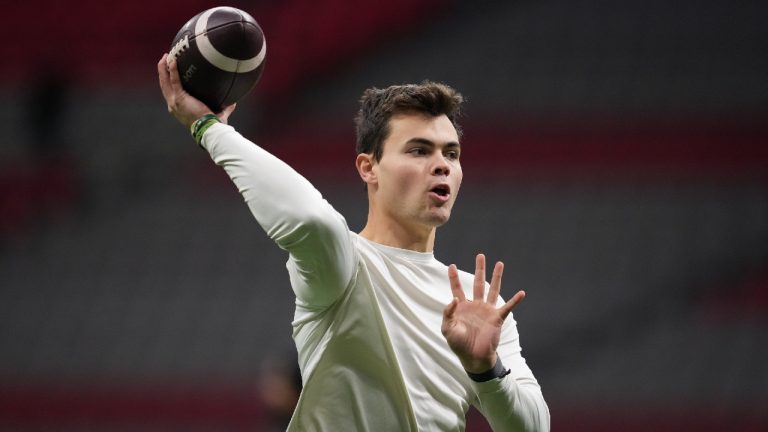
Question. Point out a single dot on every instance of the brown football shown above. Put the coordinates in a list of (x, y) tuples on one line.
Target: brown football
[(220, 54)]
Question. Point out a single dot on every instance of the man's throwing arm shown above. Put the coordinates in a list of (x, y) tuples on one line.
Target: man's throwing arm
[(292, 213)]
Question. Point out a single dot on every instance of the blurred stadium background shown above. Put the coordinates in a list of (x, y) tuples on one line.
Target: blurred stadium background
[(615, 154)]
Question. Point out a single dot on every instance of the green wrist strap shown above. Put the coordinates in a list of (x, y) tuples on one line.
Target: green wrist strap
[(201, 125)]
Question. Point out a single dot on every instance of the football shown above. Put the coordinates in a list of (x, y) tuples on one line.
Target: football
[(220, 55)]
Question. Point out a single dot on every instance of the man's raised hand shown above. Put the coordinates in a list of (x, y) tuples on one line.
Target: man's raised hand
[(472, 327), (185, 107)]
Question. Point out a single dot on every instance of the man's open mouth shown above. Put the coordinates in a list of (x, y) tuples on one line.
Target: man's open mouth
[(441, 190)]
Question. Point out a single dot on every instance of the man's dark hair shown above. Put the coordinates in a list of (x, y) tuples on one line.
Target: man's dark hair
[(377, 106)]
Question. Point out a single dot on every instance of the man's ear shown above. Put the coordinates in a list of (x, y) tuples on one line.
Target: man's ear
[(365, 167)]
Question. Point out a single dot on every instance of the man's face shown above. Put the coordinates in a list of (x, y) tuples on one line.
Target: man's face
[(419, 174)]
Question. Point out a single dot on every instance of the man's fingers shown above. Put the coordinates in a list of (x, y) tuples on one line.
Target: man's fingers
[(511, 303), (493, 292), (165, 81), (450, 309), (453, 278), (161, 70), (479, 287), (173, 68)]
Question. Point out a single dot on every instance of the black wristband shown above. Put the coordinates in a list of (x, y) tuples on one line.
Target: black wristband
[(498, 371)]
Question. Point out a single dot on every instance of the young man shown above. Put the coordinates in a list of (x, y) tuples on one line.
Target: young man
[(389, 339)]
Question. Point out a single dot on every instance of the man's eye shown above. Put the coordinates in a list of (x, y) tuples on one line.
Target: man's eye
[(418, 151), (452, 154)]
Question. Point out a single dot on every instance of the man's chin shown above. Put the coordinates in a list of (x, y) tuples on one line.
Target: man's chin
[(438, 217)]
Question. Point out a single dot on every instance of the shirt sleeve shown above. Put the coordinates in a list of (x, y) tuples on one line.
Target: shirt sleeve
[(292, 213), (514, 402)]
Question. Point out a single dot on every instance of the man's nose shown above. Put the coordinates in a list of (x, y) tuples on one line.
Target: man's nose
[(441, 167)]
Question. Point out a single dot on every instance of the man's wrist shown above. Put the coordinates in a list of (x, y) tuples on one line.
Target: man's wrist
[(199, 126), (497, 371)]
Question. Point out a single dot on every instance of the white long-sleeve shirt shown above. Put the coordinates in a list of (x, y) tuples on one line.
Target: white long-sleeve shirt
[(368, 316)]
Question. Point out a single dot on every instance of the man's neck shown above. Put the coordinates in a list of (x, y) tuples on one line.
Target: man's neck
[(390, 233)]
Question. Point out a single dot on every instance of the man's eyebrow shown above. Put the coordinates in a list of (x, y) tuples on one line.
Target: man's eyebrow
[(424, 141)]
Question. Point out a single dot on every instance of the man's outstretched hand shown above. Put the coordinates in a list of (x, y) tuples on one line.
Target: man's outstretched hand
[(185, 107), (473, 327)]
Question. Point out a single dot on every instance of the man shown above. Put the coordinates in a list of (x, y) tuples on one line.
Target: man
[(388, 339)]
